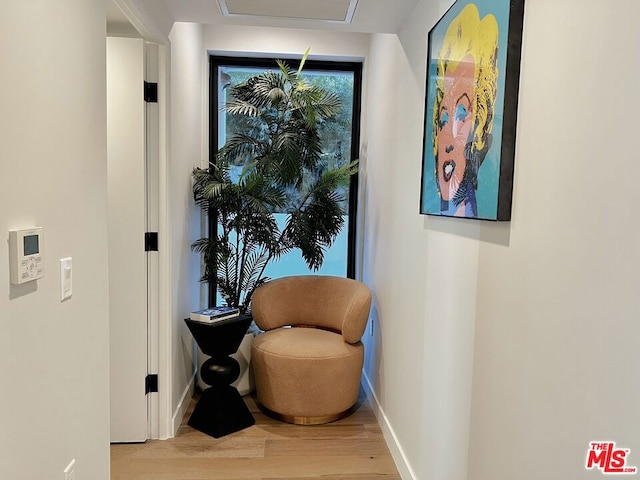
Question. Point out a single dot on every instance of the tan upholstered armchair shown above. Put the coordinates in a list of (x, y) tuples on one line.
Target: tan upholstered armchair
[(309, 373)]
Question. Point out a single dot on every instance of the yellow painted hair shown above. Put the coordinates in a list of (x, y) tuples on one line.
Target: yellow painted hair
[(468, 35)]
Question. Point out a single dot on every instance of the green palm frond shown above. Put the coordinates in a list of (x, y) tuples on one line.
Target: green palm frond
[(290, 76), (258, 92), (239, 107), (315, 104), (327, 104), (262, 194), (240, 147), (331, 180), (303, 60), (329, 184), (209, 185), (255, 264)]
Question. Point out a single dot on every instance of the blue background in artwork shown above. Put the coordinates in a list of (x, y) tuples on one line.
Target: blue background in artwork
[(489, 173)]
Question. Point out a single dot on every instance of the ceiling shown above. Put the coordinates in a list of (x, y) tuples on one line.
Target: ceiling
[(369, 16), (117, 21)]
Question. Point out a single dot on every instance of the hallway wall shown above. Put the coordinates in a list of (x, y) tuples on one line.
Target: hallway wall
[(556, 357), (422, 270), (185, 145), (498, 347), (54, 356)]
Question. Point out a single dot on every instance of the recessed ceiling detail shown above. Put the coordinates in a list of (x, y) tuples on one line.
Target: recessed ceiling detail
[(325, 10)]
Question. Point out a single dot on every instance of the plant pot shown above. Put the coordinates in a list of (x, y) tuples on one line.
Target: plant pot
[(244, 383)]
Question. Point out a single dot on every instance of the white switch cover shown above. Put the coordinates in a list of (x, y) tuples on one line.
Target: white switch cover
[(66, 278)]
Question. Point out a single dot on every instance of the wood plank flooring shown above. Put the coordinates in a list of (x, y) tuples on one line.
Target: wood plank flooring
[(350, 449)]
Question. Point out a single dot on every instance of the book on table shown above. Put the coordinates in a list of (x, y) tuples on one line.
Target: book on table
[(216, 314)]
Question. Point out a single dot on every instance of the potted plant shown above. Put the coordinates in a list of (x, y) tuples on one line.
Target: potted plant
[(279, 152)]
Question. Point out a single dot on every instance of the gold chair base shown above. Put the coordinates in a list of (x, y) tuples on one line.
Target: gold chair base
[(305, 420)]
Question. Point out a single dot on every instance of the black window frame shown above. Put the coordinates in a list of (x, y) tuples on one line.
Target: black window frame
[(216, 61)]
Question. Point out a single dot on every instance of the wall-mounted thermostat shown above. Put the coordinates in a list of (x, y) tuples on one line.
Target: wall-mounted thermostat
[(26, 260)]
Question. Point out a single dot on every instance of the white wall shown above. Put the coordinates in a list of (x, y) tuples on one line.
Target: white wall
[(501, 349), (186, 107), (557, 355), (285, 43), (54, 396), (422, 270)]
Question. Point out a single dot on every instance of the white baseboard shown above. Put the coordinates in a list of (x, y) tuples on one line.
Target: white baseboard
[(399, 457), (185, 400)]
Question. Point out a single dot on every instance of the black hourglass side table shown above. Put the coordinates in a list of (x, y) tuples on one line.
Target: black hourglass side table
[(221, 410)]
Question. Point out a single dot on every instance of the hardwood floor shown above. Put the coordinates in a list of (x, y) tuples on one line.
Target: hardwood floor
[(350, 449)]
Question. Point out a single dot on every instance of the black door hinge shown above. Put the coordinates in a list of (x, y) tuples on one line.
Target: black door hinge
[(151, 384), (150, 92), (151, 242)]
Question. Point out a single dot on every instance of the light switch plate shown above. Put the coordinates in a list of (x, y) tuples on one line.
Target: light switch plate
[(66, 278)]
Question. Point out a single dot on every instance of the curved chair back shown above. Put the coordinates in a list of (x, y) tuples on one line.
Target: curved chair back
[(333, 303)]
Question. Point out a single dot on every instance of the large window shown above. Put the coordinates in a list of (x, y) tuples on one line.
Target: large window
[(340, 140)]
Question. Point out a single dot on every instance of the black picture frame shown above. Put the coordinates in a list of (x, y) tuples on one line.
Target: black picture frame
[(471, 103)]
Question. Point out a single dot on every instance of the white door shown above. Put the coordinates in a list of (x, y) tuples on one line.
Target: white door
[(127, 257)]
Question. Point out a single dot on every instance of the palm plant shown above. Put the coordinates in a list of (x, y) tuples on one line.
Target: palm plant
[(280, 151)]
